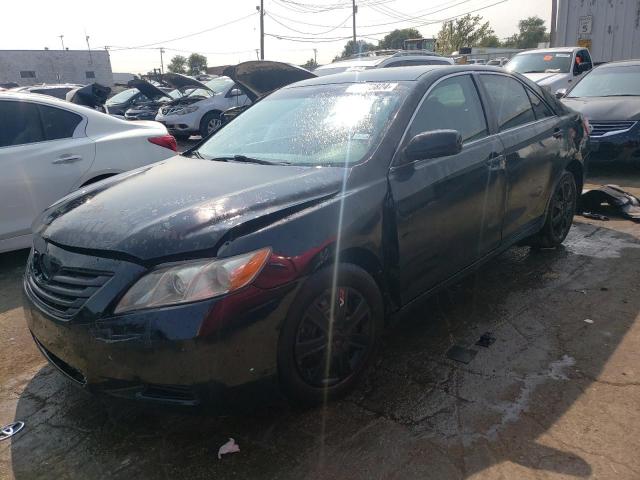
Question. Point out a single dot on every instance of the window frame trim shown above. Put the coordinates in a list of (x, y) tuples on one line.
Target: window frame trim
[(403, 139)]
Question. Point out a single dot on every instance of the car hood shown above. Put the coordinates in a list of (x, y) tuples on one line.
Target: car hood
[(177, 80), (149, 90), (182, 206), (606, 108), (258, 77), (545, 78)]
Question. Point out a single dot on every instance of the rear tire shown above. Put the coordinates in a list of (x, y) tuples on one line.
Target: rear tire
[(309, 338), (562, 208)]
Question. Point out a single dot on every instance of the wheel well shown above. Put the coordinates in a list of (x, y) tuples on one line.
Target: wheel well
[(576, 169), (97, 179)]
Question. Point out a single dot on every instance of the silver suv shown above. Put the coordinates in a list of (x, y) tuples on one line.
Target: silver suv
[(383, 59)]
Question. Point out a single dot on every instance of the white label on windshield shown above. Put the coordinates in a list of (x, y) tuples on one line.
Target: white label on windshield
[(371, 87), (360, 136), (563, 55)]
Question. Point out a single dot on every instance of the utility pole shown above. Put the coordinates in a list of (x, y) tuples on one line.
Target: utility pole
[(86, 37), (261, 9), (554, 20), (355, 10), (315, 56), (61, 41), (161, 61), (257, 54)]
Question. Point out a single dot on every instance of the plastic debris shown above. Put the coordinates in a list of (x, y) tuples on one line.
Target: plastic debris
[(595, 216), (588, 320), (230, 447), (10, 430)]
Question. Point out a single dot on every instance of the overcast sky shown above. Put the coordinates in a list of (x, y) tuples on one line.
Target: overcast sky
[(131, 23)]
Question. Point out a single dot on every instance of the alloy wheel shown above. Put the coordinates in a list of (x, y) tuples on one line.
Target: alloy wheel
[(562, 209)]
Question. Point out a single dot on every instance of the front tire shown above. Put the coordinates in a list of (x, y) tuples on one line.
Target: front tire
[(210, 123), (323, 351), (562, 208)]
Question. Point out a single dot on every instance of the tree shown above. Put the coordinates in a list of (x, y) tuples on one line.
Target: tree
[(197, 64), (467, 31), (310, 65), (491, 41), (532, 32), (395, 40), (359, 47), (178, 64)]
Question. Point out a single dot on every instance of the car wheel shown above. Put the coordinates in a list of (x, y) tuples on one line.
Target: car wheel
[(319, 358), (562, 208), (210, 123)]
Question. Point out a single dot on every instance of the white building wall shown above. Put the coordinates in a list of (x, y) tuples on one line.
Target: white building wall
[(55, 66), (615, 27)]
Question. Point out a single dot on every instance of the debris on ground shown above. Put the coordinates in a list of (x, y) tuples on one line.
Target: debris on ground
[(588, 320), (230, 447), (627, 204), (595, 216), (461, 354), (10, 430), (486, 340)]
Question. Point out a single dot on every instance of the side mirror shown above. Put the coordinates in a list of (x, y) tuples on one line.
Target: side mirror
[(235, 92), (561, 93), (434, 144)]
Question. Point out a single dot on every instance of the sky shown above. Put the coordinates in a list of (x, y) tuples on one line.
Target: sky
[(227, 32)]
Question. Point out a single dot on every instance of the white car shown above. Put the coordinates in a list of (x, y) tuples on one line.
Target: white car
[(49, 148), (199, 111), (552, 68), (383, 59)]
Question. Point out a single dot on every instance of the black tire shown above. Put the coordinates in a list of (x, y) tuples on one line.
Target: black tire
[(305, 374), (562, 208), (209, 123), (182, 137)]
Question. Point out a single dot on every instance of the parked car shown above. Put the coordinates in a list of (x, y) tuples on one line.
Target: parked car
[(157, 96), (283, 245), (49, 148), (199, 112), (498, 62), (54, 90), (476, 61), (383, 59), (609, 96), (258, 78), (124, 100), (552, 68)]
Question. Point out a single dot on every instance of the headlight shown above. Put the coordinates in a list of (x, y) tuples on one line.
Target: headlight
[(193, 281), (186, 110)]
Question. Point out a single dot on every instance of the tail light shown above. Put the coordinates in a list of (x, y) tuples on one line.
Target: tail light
[(166, 141)]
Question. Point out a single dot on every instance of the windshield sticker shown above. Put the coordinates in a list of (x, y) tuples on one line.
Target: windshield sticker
[(563, 55), (371, 87)]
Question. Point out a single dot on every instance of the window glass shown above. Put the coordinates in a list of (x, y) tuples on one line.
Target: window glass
[(19, 123), (90, 74), (453, 104), (609, 81), (541, 62), (27, 74), (510, 101), (539, 107), (58, 123)]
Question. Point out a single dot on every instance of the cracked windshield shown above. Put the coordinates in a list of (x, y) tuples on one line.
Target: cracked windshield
[(320, 239)]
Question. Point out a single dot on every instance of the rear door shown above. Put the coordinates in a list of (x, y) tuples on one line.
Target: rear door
[(448, 210), (43, 154), (533, 142)]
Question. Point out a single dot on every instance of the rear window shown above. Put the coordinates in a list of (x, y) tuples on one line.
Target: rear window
[(541, 62), (58, 123)]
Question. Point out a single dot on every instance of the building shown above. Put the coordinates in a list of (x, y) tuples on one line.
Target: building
[(30, 67), (609, 29)]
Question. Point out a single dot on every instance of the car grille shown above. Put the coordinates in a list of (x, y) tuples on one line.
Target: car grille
[(600, 129), (59, 290)]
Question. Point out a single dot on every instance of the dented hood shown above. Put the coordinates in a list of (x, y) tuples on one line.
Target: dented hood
[(177, 80), (182, 205), (148, 89), (258, 77)]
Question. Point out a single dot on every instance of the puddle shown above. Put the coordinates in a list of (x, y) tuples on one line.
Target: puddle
[(599, 242)]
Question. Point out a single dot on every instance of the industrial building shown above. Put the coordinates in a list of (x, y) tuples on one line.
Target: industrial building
[(609, 29), (30, 67)]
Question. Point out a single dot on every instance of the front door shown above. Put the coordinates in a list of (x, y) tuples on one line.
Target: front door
[(449, 210)]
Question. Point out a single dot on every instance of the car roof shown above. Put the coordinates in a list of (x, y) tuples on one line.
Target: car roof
[(620, 63), (374, 60), (394, 74), (554, 49)]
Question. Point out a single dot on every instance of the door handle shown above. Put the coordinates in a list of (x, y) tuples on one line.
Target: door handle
[(66, 159), (497, 162), (557, 133)]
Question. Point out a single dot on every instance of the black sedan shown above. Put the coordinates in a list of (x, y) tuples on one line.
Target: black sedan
[(609, 97), (282, 247)]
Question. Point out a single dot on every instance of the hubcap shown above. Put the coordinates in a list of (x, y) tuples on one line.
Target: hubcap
[(562, 209), (332, 343), (213, 124)]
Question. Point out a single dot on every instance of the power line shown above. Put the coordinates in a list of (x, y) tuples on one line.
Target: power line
[(308, 33)]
